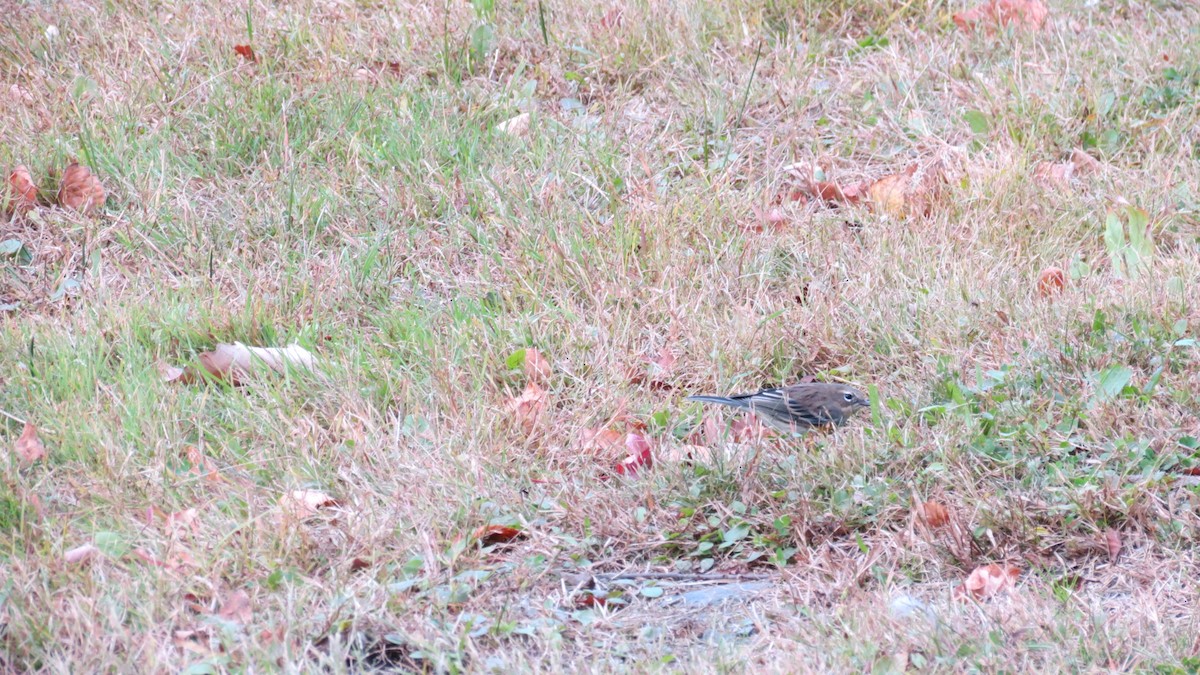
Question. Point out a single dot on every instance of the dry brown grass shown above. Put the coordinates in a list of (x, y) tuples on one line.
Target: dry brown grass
[(350, 191)]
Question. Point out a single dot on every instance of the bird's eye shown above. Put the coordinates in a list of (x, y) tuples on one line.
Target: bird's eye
[(848, 396)]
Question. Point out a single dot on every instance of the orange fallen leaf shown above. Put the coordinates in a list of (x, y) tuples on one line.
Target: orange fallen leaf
[(301, 504), (639, 454), (1051, 281), (989, 580), (81, 554), (246, 52), (29, 447), (80, 189), (236, 608), (1028, 14), (490, 535), (529, 407), (537, 366), (24, 192), (933, 514), (911, 192), (1112, 541)]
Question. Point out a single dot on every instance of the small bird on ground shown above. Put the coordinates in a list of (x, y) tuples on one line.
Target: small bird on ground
[(797, 408)]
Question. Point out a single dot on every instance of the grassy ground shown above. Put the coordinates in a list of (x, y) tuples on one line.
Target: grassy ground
[(351, 191)]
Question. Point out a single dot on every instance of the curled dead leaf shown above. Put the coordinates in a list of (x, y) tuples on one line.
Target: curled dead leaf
[(80, 189), (1027, 14), (1051, 281), (912, 192), (23, 193), (301, 504), (515, 126), (599, 441), (29, 447), (491, 535), (81, 554), (1112, 541), (234, 362), (933, 514), (989, 580)]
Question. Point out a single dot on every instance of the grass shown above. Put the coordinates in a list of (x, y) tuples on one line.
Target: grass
[(350, 191)]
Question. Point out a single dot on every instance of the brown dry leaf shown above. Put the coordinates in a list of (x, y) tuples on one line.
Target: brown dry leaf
[(529, 407), (773, 218), (687, 453), (490, 535), (989, 580), (1028, 14), (1084, 163), (933, 514), (515, 126), (1112, 541), (911, 192), (600, 441), (80, 189), (193, 641), (183, 522), (1051, 281), (301, 504), (1058, 175), (24, 192), (81, 554), (236, 608), (233, 362), (537, 366), (171, 373), (29, 447), (246, 52)]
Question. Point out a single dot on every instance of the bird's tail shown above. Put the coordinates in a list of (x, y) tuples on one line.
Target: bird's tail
[(722, 400)]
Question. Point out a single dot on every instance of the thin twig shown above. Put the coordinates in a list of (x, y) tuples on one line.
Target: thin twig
[(683, 576)]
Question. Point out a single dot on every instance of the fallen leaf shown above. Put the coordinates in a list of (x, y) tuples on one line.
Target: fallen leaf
[(1028, 14), (1058, 175), (81, 554), (515, 126), (887, 193), (773, 218), (171, 373), (194, 641), (236, 608), (28, 446), (80, 189), (933, 514), (490, 535), (1112, 541), (911, 192), (301, 504), (201, 465), (1051, 281), (233, 362), (529, 407), (246, 52), (359, 564), (639, 454), (1084, 163), (537, 366), (686, 453), (182, 522), (24, 192), (989, 580), (599, 441)]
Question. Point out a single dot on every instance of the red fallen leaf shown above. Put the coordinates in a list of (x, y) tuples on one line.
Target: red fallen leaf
[(537, 366), (246, 52), (1029, 14), (705, 433), (29, 447), (639, 454), (989, 580), (1051, 281), (585, 600), (934, 514), (529, 407), (490, 535), (24, 192), (1191, 471), (236, 608), (1112, 541), (359, 564)]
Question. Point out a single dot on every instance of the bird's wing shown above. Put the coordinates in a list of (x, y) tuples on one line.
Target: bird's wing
[(783, 404)]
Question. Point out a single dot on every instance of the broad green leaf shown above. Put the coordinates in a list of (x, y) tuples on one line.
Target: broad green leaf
[(515, 360), (1114, 241), (977, 121), (736, 532), (1111, 381), (652, 591)]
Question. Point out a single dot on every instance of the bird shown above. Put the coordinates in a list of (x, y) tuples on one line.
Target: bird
[(797, 408)]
